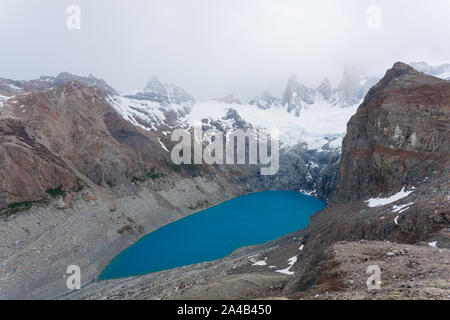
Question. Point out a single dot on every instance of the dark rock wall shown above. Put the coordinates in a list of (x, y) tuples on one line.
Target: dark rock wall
[(399, 135)]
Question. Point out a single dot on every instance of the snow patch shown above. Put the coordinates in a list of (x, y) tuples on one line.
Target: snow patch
[(3, 99), (261, 263), (13, 87), (287, 271), (308, 193), (396, 220), (402, 207), (162, 145), (379, 202)]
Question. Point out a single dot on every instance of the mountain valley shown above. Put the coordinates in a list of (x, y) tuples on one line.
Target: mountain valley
[(86, 172)]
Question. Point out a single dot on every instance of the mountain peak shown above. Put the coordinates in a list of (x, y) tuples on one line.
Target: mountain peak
[(401, 77), (393, 117), (229, 99), (265, 100), (402, 66), (399, 69), (325, 81), (157, 91), (325, 88), (293, 80), (265, 93), (154, 84), (296, 95)]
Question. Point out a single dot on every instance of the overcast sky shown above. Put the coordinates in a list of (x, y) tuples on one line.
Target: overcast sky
[(215, 47)]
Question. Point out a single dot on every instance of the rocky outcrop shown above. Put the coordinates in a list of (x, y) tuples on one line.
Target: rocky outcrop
[(28, 169), (297, 96), (398, 136), (408, 272), (353, 86), (311, 172), (325, 89)]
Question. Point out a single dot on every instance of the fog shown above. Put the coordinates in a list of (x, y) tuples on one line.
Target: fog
[(216, 47)]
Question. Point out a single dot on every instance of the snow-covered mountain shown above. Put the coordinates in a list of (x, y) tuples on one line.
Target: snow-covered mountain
[(440, 69), (314, 117), (266, 101), (312, 121), (158, 106)]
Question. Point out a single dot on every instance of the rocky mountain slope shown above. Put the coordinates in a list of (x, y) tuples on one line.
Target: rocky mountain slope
[(391, 209), (394, 178), (67, 133), (398, 136), (68, 137), (397, 141)]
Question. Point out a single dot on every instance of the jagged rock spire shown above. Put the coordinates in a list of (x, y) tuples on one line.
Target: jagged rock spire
[(297, 95), (325, 88), (160, 92)]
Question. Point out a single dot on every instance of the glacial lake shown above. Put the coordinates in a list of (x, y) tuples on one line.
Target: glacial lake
[(216, 232)]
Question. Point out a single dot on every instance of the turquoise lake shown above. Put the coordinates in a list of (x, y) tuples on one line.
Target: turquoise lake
[(216, 232)]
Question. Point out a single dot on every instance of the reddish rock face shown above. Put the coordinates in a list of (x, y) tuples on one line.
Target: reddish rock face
[(27, 168), (399, 135), (66, 136)]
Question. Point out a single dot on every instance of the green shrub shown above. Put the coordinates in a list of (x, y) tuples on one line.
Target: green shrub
[(58, 191), (110, 184), (153, 175), (135, 179), (16, 207)]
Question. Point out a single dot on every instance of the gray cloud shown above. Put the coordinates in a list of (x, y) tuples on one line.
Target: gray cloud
[(216, 47)]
